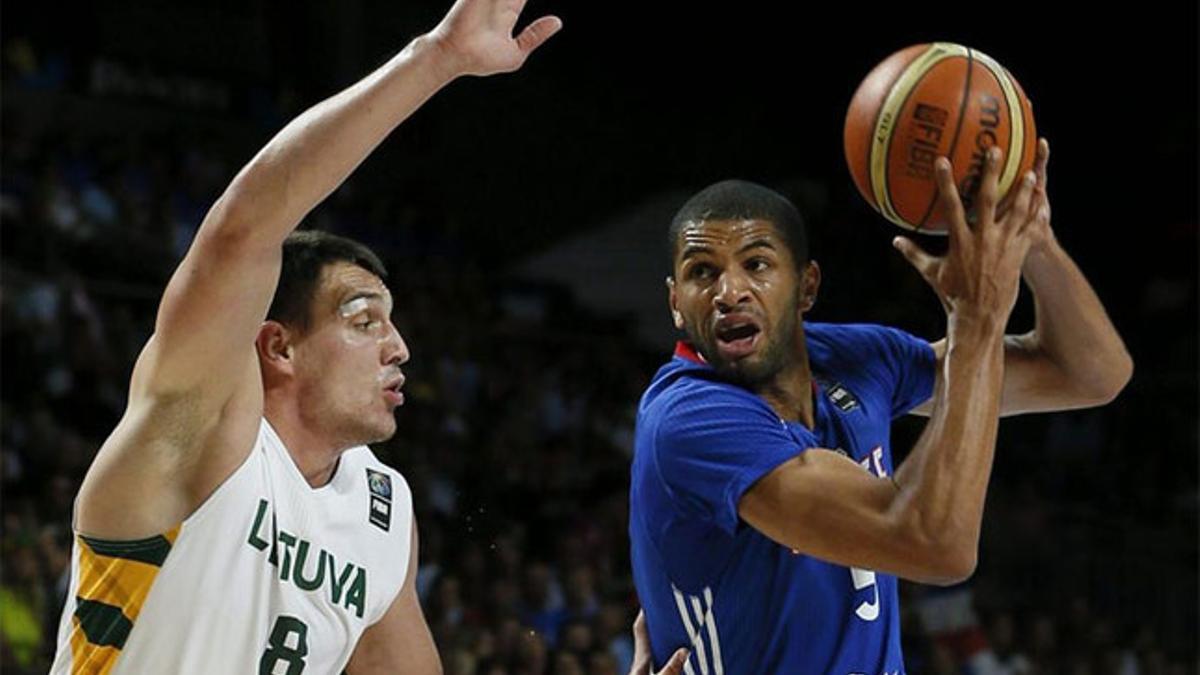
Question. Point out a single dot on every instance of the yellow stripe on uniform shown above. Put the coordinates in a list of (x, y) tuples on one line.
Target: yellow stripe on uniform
[(90, 659), (881, 141), (114, 580)]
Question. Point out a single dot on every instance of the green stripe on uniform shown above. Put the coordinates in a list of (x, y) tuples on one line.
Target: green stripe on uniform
[(152, 550), (104, 625)]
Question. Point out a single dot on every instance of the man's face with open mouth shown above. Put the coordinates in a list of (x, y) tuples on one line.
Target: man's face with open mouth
[(735, 291)]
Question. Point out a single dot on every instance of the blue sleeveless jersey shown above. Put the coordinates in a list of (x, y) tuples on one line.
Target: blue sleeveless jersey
[(707, 580)]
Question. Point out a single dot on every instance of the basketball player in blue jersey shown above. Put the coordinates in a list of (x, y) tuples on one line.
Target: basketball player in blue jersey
[(768, 523)]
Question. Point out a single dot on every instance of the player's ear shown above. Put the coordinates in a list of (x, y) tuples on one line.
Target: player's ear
[(810, 283), (673, 301), (275, 347)]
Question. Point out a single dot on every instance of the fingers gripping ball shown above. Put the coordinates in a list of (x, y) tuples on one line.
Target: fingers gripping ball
[(930, 100)]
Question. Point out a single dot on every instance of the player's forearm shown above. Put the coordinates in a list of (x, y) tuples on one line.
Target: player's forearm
[(315, 153), (1073, 331), (943, 482)]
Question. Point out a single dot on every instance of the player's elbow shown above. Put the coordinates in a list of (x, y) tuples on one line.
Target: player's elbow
[(241, 221), (944, 555), (229, 221), (1118, 375), (955, 566), (1105, 380), (943, 567)]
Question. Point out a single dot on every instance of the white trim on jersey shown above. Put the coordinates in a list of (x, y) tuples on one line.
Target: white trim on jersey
[(693, 636), (710, 620), (704, 619)]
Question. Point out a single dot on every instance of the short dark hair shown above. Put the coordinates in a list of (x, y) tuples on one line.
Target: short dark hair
[(742, 200), (305, 255)]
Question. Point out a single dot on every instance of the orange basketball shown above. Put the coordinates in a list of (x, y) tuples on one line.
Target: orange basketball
[(930, 100)]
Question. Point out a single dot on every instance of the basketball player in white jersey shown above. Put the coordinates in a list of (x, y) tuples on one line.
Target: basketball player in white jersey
[(234, 522)]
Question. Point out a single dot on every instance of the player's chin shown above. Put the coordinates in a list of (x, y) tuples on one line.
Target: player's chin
[(387, 428), (734, 369), (383, 427), (749, 371)]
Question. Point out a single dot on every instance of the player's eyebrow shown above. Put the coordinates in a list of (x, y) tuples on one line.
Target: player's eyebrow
[(693, 250), (757, 243)]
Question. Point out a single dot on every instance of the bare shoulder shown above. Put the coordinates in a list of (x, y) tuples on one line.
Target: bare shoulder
[(168, 453)]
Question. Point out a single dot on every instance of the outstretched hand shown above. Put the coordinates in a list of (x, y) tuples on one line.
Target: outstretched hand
[(476, 36), (642, 659)]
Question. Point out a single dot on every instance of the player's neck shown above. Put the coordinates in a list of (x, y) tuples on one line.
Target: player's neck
[(790, 392), (315, 456)]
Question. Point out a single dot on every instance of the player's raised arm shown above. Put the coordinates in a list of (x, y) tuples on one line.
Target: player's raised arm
[(220, 294), (924, 526), (196, 386), (1074, 357)]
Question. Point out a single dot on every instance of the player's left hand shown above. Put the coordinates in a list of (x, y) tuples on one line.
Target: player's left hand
[(641, 652), (476, 36), (1039, 231)]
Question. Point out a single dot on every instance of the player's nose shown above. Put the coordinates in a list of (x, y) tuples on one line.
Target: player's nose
[(395, 349), (732, 290)]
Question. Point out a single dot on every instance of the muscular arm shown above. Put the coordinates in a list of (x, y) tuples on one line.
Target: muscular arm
[(924, 526), (196, 395), (400, 642), (217, 299), (1074, 357)]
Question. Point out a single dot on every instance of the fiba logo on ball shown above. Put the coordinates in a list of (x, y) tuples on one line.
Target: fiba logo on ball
[(931, 100)]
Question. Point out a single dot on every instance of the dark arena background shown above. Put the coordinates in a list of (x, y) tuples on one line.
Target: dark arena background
[(523, 218)]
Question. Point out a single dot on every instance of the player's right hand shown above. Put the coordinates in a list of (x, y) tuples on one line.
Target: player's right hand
[(476, 36), (641, 652), (980, 274)]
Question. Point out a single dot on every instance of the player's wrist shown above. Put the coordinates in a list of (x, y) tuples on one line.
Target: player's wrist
[(976, 327), (438, 56), (1044, 251)]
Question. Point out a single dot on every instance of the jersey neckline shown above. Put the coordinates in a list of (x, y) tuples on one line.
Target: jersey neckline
[(294, 470)]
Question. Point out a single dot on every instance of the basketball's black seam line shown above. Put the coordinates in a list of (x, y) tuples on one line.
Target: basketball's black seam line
[(887, 155), (962, 113)]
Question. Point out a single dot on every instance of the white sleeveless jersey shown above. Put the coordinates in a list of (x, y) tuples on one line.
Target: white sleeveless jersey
[(269, 575)]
